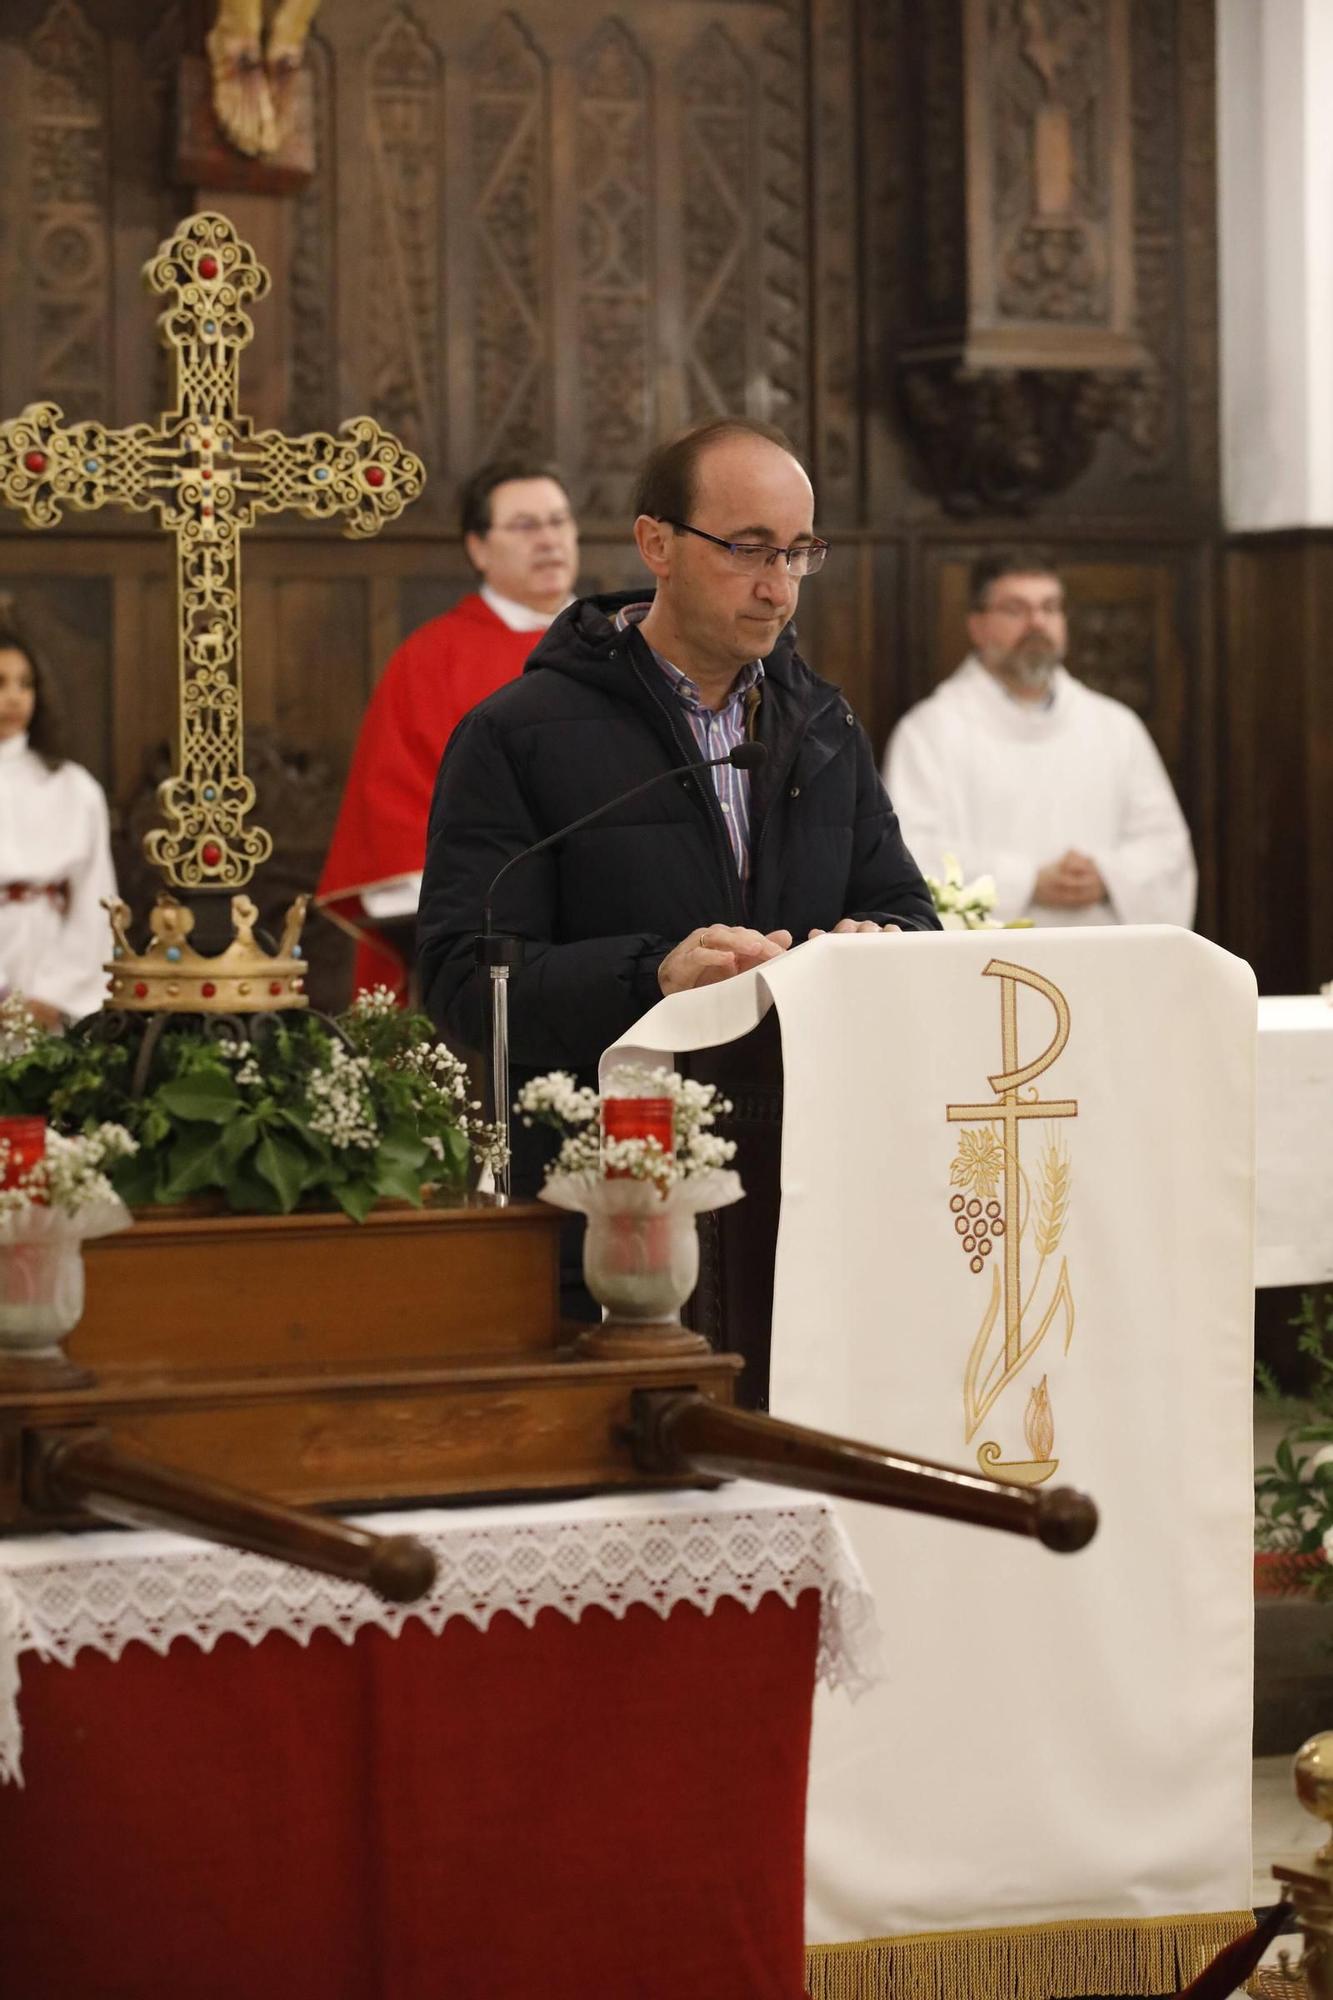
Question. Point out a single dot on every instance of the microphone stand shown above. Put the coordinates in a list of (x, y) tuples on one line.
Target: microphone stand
[(498, 955)]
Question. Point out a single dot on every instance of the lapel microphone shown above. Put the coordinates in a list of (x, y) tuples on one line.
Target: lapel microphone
[(745, 757)]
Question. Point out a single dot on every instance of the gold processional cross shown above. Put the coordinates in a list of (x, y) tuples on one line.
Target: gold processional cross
[(207, 474)]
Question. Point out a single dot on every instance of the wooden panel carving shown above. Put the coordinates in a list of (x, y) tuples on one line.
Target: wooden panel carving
[(717, 203), (837, 276), (935, 107), (614, 146), (783, 214), (1050, 164), (1197, 236), (1148, 406), (69, 212), (312, 273), (70, 620), (510, 156), (403, 83)]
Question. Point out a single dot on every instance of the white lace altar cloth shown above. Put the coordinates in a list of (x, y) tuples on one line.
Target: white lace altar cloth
[(60, 1593)]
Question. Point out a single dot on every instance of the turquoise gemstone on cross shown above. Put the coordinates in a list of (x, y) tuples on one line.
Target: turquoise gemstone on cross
[(320, 472), (92, 465), (210, 792), (210, 326)]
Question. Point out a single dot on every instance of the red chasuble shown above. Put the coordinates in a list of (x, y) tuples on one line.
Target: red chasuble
[(435, 677)]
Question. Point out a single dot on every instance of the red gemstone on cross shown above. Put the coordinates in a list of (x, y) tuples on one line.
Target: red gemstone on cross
[(140, 989), (206, 473), (34, 461), (208, 989), (208, 267), (374, 475), (210, 854)]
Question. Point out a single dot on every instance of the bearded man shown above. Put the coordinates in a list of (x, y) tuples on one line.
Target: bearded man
[(1024, 773)]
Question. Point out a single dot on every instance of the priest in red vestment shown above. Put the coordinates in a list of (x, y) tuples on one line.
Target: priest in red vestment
[(520, 536)]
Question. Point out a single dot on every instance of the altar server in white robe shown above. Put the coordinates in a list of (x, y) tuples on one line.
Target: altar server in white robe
[(1023, 773), (55, 851)]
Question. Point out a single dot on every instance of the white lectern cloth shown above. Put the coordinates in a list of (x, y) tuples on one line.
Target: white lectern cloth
[(1058, 1738)]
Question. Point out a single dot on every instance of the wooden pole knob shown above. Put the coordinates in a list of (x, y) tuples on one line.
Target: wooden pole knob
[(401, 1570)]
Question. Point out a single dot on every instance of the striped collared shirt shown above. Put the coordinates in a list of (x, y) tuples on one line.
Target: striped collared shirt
[(716, 731)]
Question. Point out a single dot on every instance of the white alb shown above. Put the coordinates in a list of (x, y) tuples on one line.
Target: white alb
[(1009, 786), (53, 830)]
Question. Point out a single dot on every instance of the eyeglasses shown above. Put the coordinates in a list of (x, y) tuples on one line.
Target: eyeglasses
[(528, 524), (1014, 607), (752, 557)]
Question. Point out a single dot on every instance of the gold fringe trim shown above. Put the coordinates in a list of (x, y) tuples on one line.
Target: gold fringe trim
[(1130, 1955)]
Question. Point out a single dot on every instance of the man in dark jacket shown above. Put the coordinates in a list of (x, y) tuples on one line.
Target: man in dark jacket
[(701, 877)]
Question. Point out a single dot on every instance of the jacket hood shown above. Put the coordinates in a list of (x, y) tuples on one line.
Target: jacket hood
[(585, 642)]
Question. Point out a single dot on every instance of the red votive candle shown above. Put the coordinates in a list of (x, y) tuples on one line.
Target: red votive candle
[(639, 1118), (25, 1140)]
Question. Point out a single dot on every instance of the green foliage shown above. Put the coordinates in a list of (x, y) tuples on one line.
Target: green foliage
[(304, 1115), (1294, 1495)]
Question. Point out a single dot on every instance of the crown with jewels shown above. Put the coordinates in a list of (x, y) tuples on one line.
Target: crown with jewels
[(170, 976)]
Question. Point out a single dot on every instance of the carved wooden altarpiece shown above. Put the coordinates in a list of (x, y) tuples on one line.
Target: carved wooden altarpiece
[(1023, 331)]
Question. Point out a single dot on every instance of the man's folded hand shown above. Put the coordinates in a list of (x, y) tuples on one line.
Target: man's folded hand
[(717, 951)]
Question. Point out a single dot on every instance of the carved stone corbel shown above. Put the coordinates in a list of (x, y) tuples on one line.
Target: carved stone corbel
[(1022, 345)]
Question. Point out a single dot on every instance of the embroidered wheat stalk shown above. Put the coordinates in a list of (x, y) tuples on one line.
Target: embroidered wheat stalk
[(1054, 1199)]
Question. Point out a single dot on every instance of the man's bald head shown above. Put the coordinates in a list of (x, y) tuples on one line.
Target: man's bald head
[(668, 482)]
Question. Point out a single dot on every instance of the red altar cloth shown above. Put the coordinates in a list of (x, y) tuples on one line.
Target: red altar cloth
[(601, 1810)]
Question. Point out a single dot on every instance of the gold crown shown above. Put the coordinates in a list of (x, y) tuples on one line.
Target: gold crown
[(172, 977)]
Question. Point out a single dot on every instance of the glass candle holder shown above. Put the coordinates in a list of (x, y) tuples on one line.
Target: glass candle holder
[(642, 1266), (22, 1147)]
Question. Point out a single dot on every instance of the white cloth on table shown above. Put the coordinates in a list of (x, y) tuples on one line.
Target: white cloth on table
[(60, 1593), (1057, 1738), (53, 830), (1008, 786), (1295, 1141)]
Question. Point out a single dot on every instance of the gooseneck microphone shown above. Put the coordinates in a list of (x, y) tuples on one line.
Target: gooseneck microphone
[(745, 757), (496, 954)]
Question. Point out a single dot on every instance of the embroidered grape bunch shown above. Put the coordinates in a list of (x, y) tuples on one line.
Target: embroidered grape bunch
[(978, 1218), (978, 1225)]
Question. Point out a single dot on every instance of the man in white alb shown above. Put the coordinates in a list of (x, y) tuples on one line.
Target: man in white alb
[(1027, 775)]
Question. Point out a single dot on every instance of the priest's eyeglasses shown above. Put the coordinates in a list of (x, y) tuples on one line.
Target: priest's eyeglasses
[(530, 524), (803, 559)]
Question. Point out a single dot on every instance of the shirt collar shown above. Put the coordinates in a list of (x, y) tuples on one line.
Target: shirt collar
[(13, 747), (687, 690), (518, 617)]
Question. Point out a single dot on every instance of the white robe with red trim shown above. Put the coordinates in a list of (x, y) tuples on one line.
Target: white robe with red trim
[(53, 830)]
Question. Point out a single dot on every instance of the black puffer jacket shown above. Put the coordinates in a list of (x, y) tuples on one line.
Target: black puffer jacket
[(590, 716)]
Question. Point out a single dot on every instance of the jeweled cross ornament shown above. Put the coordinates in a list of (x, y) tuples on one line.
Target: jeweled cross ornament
[(207, 474)]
